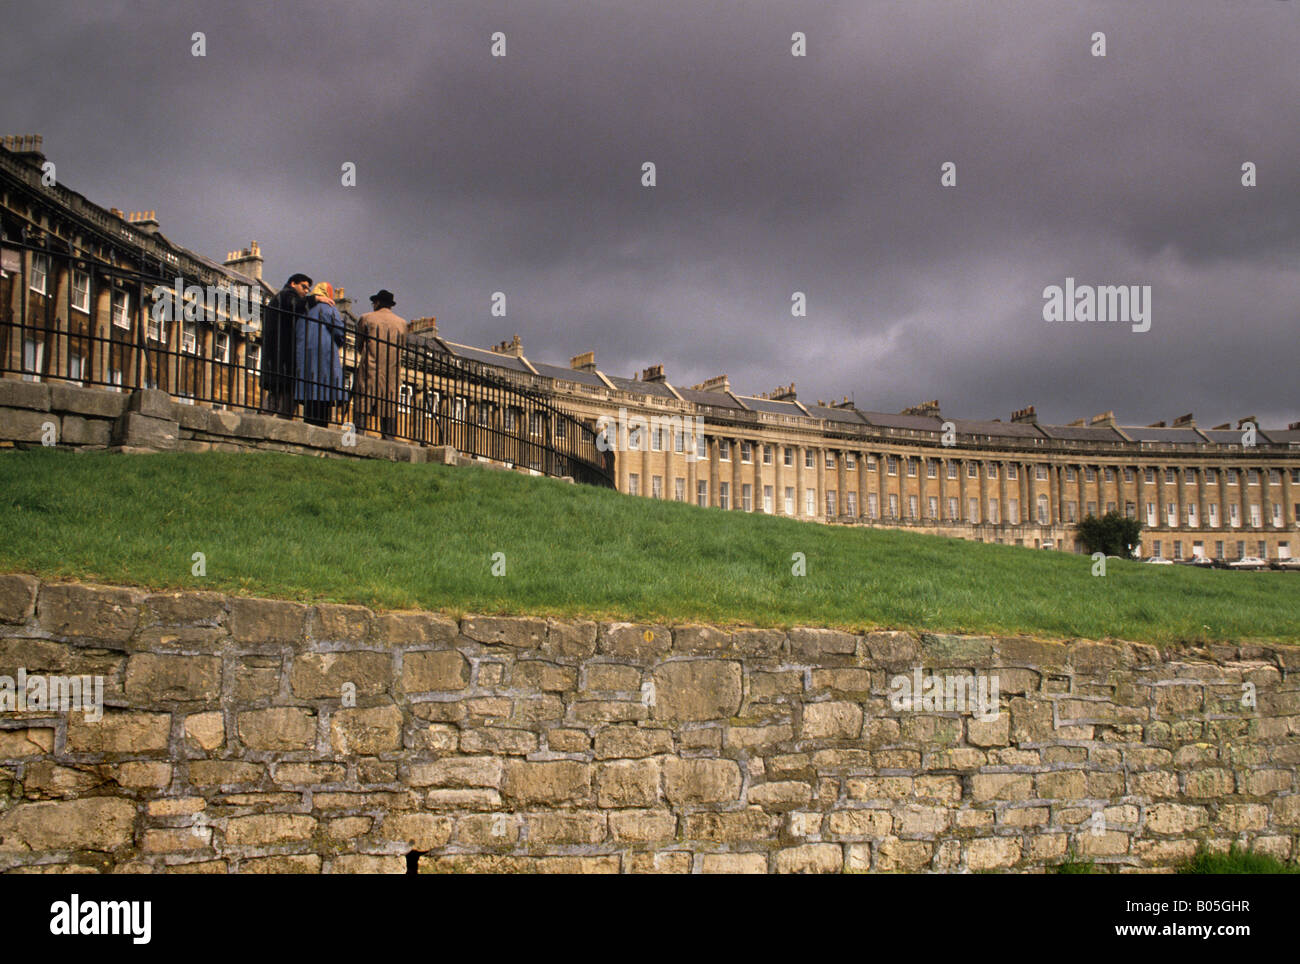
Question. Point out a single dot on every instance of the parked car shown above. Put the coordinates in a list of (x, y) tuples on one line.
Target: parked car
[(1160, 561), (1248, 562), (1199, 562), (1287, 565)]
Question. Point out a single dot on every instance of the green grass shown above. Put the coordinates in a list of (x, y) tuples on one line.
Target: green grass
[(1073, 865), (423, 536), (1235, 861)]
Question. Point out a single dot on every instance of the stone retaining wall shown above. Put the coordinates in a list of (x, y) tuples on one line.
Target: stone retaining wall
[(250, 735), (148, 420)]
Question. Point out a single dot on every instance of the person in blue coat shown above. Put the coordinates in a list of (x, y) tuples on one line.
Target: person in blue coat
[(318, 338)]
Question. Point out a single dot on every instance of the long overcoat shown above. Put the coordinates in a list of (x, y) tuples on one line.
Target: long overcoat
[(380, 335), (317, 340), (278, 320)]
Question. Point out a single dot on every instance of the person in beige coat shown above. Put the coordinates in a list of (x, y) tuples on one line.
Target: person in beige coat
[(380, 334)]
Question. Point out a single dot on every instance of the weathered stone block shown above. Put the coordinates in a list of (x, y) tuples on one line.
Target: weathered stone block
[(208, 773), (1174, 818), (33, 741), (818, 858), (701, 689), (986, 853), (642, 826), (119, 732), (553, 783), (317, 676), (894, 855), (361, 731), (269, 828), (811, 643), (414, 629), (835, 720), (780, 795), (878, 788), (731, 826), (628, 783), (861, 823), (612, 677), (700, 781), (516, 631), (633, 641), (733, 864), (567, 639), (92, 823), (17, 597), (368, 864), (569, 827), (709, 640), (96, 612), (419, 831), (254, 621), (536, 674), (158, 678), (278, 728), (1002, 786)]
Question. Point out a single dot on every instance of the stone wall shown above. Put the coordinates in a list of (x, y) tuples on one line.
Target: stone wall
[(250, 735), (148, 420)]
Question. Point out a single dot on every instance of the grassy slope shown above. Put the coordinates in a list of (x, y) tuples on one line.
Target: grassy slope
[(402, 536)]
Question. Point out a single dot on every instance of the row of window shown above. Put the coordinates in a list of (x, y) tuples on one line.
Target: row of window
[(1041, 471), (992, 515)]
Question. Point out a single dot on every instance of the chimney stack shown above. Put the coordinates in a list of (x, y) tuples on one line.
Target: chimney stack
[(783, 393), (655, 373), (145, 222), (925, 408), (586, 362), (247, 262), (1105, 418), (1185, 421), (718, 383), (1026, 415), (26, 146), (423, 326), (514, 348)]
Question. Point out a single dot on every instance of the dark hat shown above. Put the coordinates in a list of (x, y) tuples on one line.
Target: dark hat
[(384, 297)]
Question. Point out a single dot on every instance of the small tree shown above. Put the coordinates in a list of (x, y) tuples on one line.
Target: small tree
[(1113, 534)]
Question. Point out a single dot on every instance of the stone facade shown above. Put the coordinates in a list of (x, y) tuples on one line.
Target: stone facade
[(261, 736), (1224, 492)]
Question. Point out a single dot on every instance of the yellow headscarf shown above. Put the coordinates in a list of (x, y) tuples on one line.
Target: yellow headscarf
[(324, 290)]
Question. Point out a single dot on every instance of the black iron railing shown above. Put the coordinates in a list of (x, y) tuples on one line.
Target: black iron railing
[(67, 319)]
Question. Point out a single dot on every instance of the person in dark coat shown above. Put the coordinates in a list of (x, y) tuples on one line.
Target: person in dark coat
[(317, 339), (277, 345)]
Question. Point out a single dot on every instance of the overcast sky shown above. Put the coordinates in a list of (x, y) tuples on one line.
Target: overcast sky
[(775, 174)]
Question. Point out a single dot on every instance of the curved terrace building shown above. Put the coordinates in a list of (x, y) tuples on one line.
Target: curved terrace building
[(74, 291)]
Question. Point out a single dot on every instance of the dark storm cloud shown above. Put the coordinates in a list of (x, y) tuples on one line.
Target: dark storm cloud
[(776, 174)]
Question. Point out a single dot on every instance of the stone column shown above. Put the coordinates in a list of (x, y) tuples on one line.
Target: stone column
[(841, 500), (1004, 517), (1265, 499), (714, 473), (983, 473), (821, 482), (798, 481), (862, 484)]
